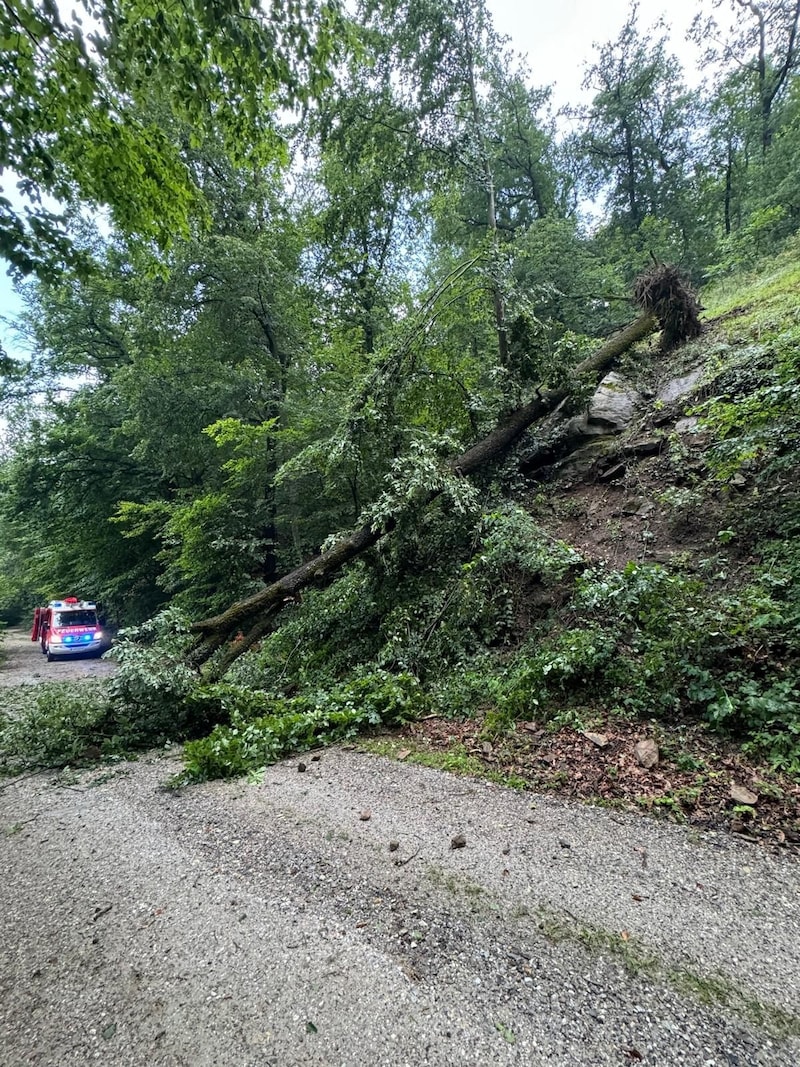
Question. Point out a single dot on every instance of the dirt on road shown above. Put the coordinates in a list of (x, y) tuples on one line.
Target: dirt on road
[(345, 909)]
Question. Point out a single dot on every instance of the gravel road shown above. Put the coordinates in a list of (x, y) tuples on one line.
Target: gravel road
[(323, 917), (24, 663)]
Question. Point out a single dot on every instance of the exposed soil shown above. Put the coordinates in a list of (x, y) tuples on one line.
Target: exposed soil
[(691, 784)]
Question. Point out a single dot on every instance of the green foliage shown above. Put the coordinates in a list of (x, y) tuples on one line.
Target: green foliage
[(320, 640), (568, 282), (750, 243), (76, 124), (53, 725), (755, 416), (420, 473), (309, 354), (636, 127), (264, 728), (489, 600), (149, 693), (645, 642)]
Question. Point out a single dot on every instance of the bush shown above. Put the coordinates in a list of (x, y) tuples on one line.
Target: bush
[(145, 704), (149, 695)]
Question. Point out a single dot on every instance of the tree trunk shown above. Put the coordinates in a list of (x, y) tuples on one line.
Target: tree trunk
[(256, 612)]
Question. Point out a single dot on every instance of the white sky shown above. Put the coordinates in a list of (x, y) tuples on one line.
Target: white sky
[(557, 37)]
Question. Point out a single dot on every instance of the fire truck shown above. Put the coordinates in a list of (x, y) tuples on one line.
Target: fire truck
[(68, 627)]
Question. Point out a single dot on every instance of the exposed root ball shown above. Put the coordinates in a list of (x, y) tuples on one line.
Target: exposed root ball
[(664, 291)]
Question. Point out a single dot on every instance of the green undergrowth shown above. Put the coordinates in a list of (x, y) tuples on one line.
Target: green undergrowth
[(261, 728), (454, 760), (52, 725), (485, 612)]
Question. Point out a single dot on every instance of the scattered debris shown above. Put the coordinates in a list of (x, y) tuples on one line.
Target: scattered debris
[(600, 740), (691, 783)]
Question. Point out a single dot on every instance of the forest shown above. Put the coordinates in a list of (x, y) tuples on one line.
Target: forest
[(314, 294)]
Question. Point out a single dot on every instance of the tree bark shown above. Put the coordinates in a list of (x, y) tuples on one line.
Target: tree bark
[(257, 611)]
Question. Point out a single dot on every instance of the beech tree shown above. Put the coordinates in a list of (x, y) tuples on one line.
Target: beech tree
[(72, 88)]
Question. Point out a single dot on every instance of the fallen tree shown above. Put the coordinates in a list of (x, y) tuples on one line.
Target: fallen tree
[(664, 300)]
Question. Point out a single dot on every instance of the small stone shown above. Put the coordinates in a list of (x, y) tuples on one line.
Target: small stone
[(393, 846), (645, 446), (301, 767), (459, 841), (646, 753), (614, 473), (600, 740), (741, 795), (630, 507), (564, 843), (365, 815)]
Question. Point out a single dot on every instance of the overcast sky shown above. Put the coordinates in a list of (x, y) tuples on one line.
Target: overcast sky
[(557, 37)]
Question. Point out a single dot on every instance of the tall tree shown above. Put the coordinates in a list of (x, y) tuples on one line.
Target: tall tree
[(764, 44), (635, 138)]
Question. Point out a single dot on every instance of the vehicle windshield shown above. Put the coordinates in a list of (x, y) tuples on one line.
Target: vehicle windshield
[(75, 618)]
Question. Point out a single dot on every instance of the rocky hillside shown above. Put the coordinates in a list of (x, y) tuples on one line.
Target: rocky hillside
[(614, 613), (676, 489)]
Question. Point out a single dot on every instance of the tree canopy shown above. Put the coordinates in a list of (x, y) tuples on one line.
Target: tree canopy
[(76, 129)]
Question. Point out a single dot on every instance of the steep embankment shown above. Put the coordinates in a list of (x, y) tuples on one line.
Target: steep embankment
[(676, 491)]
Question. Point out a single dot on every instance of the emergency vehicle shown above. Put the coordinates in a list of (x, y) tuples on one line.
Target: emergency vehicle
[(67, 627)]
